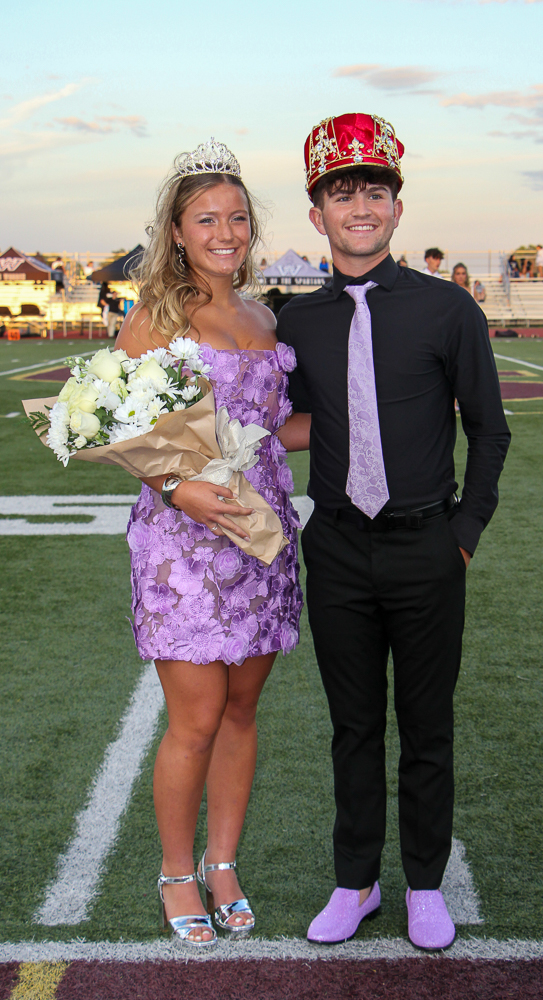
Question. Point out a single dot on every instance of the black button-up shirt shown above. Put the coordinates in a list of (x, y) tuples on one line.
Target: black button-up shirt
[(430, 346)]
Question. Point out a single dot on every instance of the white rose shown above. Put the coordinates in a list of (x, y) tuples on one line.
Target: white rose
[(119, 354), (80, 441), (84, 423), (152, 373), (68, 390), (105, 366), (88, 398)]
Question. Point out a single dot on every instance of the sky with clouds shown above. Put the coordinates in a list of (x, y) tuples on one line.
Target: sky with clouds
[(97, 99)]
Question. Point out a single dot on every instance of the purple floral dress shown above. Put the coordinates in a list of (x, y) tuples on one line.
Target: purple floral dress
[(197, 597)]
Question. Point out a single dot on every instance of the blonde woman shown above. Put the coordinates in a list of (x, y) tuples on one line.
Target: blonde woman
[(460, 276), (211, 617)]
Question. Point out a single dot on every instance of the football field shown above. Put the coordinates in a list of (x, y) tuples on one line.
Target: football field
[(82, 718)]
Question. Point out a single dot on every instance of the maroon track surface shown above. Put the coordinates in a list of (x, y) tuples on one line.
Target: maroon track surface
[(8, 978), (406, 979), (522, 390), (56, 375)]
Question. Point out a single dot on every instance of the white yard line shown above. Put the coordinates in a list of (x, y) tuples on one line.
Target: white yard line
[(68, 899), (487, 949), (49, 364), (517, 361), (109, 514)]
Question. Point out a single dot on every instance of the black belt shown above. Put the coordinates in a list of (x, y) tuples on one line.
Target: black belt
[(388, 520)]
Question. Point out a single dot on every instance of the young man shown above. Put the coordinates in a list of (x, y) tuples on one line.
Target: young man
[(383, 351), (432, 260)]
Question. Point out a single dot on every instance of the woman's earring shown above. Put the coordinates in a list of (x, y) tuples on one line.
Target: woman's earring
[(181, 253)]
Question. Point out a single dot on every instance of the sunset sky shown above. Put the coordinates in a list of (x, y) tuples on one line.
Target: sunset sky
[(97, 99)]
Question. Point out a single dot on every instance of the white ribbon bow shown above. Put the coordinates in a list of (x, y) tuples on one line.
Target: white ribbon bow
[(238, 445)]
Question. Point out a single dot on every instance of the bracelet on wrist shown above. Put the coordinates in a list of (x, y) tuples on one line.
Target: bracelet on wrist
[(169, 486)]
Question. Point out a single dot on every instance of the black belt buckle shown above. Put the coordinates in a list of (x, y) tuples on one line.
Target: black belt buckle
[(414, 519)]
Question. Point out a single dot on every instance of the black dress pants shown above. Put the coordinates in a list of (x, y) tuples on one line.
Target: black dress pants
[(368, 593)]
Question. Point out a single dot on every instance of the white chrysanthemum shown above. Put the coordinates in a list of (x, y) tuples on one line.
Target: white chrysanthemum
[(57, 437), (180, 405), (124, 432), (189, 392), (110, 394), (129, 365), (131, 411), (198, 368), (185, 349)]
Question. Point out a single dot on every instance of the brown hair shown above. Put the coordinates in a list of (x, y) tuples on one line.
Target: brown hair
[(354, 179), (165, 285)]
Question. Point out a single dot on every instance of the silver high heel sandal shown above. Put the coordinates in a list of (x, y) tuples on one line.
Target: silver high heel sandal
[(222, 913), (182, 926)]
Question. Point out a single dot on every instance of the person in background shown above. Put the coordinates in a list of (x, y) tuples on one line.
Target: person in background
[(88, 269), (538, 261), (58, 266), (115, 314), (432, 260), (479, 291), (512, 264), (402, 262), (460, 276), (263, 263), (103, 301), (323, 266)]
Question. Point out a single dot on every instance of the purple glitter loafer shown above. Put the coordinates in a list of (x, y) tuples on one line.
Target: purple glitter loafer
[(342, 915), (429, 923)]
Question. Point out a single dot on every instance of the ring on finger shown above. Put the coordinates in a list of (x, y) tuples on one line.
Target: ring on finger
[(214, 527)]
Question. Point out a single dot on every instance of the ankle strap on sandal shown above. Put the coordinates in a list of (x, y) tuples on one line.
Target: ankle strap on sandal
[(225, 866), (173, 880)]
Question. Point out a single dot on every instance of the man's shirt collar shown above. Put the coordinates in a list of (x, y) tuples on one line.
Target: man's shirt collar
[(385, 273)]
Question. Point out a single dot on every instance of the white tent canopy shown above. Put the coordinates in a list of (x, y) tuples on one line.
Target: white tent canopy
[(291, 269)]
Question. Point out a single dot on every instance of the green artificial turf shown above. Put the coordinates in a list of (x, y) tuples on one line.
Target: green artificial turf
[(68, 667)]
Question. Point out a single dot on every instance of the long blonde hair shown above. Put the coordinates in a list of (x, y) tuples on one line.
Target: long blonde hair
[(165, 285)]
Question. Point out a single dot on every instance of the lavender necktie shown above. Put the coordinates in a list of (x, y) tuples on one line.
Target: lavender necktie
[(366, 482)]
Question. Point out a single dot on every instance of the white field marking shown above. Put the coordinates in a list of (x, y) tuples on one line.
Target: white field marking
[(110, 514), (486, 949), (48, 364), (13, 413), (459, 889), (80, 867), (517, 361)]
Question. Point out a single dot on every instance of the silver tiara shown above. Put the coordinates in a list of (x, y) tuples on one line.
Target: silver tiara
[(210, 157)]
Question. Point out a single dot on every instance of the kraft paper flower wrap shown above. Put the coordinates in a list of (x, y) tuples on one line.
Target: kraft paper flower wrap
[(196, 443)]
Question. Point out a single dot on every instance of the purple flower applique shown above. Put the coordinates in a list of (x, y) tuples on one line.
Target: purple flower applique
[(234, 649), (286, 357), (158, 598), (140, 542), (186, 576), (284, 477), (258, 382), (289, 637), (197, 608), (199, 643), (225, 367), (227, 563)]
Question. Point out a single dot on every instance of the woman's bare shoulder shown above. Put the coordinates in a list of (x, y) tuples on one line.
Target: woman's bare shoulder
[(263, 321), (136, 334)]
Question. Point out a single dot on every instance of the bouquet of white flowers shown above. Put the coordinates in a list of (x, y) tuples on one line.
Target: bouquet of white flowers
[(113, 398), (155, 415)]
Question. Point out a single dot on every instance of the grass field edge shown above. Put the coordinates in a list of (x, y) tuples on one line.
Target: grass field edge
[(486, 949)]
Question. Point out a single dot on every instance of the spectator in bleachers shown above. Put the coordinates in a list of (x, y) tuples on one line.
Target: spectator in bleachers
[(401, 262), (539, 261), (479, 291), (323, 266), (460, 276), (432, 260), (513, 267)]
